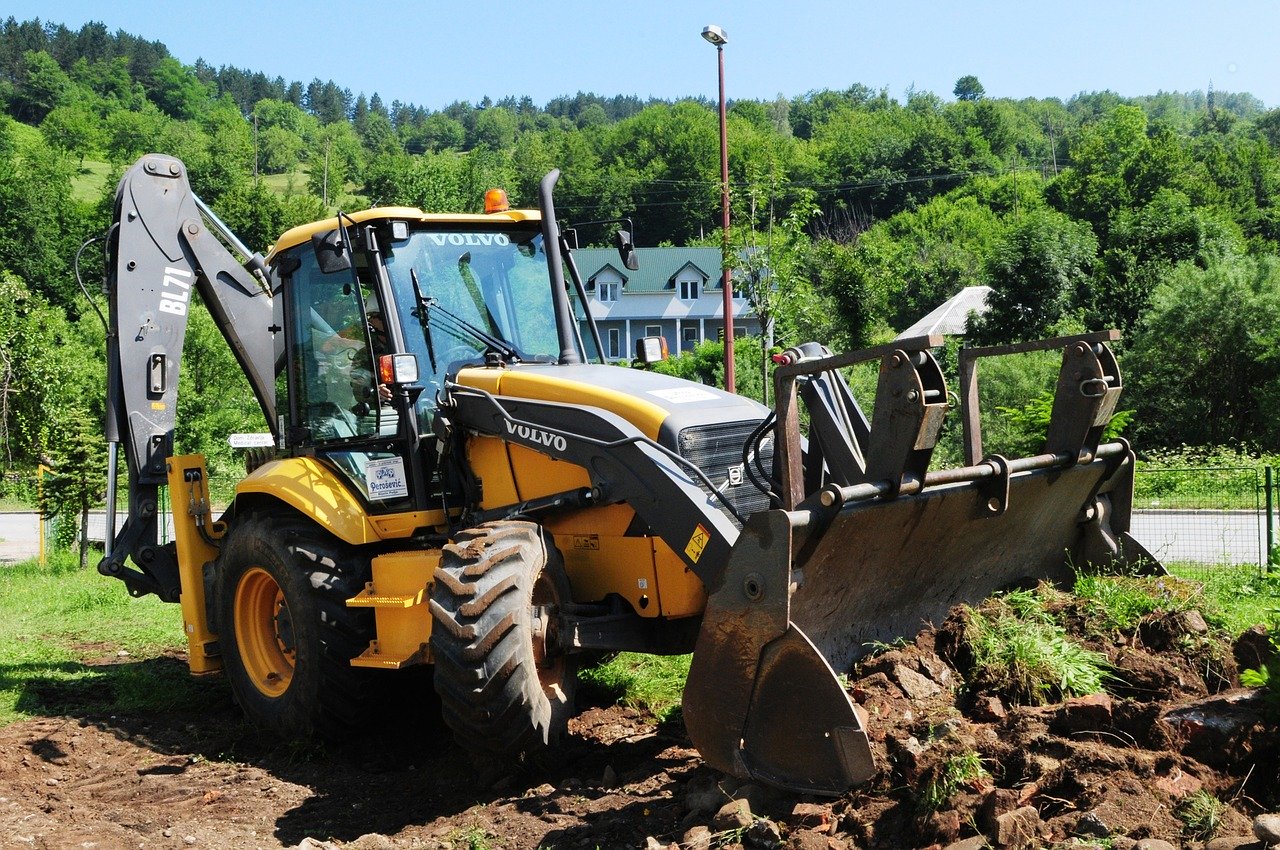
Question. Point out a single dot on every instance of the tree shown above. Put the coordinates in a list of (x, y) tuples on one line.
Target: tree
[(73, 128), (42, 86), (1038, 270), (968, 88), (1204, 362), (78, 482), (178, 92)]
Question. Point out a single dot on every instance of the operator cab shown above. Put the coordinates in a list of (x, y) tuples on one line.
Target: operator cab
[(454, 291)]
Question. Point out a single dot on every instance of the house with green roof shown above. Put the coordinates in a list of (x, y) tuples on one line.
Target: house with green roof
[(676, 293)]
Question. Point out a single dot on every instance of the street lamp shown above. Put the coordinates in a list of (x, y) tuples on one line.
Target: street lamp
[(720, 38)]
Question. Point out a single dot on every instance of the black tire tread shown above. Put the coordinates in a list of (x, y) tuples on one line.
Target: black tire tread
[(485, 670)]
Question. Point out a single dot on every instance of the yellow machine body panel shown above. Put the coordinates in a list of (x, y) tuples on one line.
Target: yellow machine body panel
[(600, 557), (318, 492), (189, 491), (518, 383), (304, 232)]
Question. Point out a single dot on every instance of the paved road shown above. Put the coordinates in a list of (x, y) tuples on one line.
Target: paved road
[(1209, 537)]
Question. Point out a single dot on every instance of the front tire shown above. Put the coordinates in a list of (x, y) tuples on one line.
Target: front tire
[(285, 633), (506, 688)]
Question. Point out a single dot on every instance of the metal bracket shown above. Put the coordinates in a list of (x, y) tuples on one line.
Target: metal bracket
[(911, 404), (995, 490), (1088, 389)]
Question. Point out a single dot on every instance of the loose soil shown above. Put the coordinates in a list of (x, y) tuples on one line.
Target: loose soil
[(1108, 769)]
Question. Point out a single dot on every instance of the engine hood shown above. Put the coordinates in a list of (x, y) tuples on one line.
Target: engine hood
[(660, 406)]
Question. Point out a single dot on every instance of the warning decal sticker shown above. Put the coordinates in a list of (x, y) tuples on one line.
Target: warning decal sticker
[(698, 542)]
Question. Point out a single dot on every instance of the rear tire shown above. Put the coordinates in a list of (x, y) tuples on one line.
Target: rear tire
[(505, 687), (285, 633)]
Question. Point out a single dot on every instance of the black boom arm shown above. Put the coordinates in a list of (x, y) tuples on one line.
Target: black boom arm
[(161, 250)]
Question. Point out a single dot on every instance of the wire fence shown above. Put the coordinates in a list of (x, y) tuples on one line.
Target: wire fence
[(1200, 519), (1196, 519)]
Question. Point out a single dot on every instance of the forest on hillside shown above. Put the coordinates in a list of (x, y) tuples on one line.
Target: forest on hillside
[(1156, 215)]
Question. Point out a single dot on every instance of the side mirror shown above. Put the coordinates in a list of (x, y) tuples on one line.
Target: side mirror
[(651, 349), (570, 238), (626, 250), (331, 253)]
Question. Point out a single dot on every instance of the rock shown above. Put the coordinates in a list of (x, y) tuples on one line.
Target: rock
[(735, 814), (610, 777), (913, 684), (1165, 631), (703, 794), (998, 802), (696, 838), (1177, 784), (809, 815), (764, 834), (1091, 825), (1090, 713), (315, 844), (989, 709), (189, 840), (1267, 828), (651, 843), (1154, 844), (909, 754), (1019, 829), (756, 796), (1252, 649), (1217, 730), (935, 668), (975, 842), (945, 825), (1235, 842)]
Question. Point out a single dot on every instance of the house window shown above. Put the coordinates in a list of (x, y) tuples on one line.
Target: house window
[(608, 291), (689, 336), (615, 343), (653, 330), (689, 290)]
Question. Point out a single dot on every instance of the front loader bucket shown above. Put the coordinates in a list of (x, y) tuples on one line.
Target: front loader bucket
[(808, 591)]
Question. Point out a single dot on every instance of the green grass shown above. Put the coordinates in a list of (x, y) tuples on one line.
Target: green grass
[(1236, 597), (61, 632), (281, 184), (1201, 815), (1019, 651), (1116, 604), (651, 683), (90, 181), (956, 772)]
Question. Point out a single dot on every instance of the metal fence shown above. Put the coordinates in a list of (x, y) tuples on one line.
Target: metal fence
[(1205, 517)]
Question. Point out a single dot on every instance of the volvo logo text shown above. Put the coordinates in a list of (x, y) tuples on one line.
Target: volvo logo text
[(537, 436)]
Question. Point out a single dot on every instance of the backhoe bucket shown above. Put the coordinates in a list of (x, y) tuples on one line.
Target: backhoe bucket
[(808, 591)]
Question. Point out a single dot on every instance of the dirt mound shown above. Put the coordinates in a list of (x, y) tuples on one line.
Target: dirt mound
[(964, 760)]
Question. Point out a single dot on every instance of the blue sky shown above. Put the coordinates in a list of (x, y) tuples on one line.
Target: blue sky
[(433, 52)]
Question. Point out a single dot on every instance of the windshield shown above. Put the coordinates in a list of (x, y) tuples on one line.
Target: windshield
[(482, 290)]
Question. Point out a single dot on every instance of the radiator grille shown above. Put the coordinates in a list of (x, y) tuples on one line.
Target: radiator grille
[(717, 451)]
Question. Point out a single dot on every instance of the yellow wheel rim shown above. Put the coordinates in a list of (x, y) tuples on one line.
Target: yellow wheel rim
[(551, 670), (264, 632)]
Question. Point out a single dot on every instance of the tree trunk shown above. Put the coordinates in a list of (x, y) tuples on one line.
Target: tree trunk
[(84, 538)]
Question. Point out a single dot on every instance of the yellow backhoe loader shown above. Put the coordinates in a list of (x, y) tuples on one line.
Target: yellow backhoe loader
[(449, 481)]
